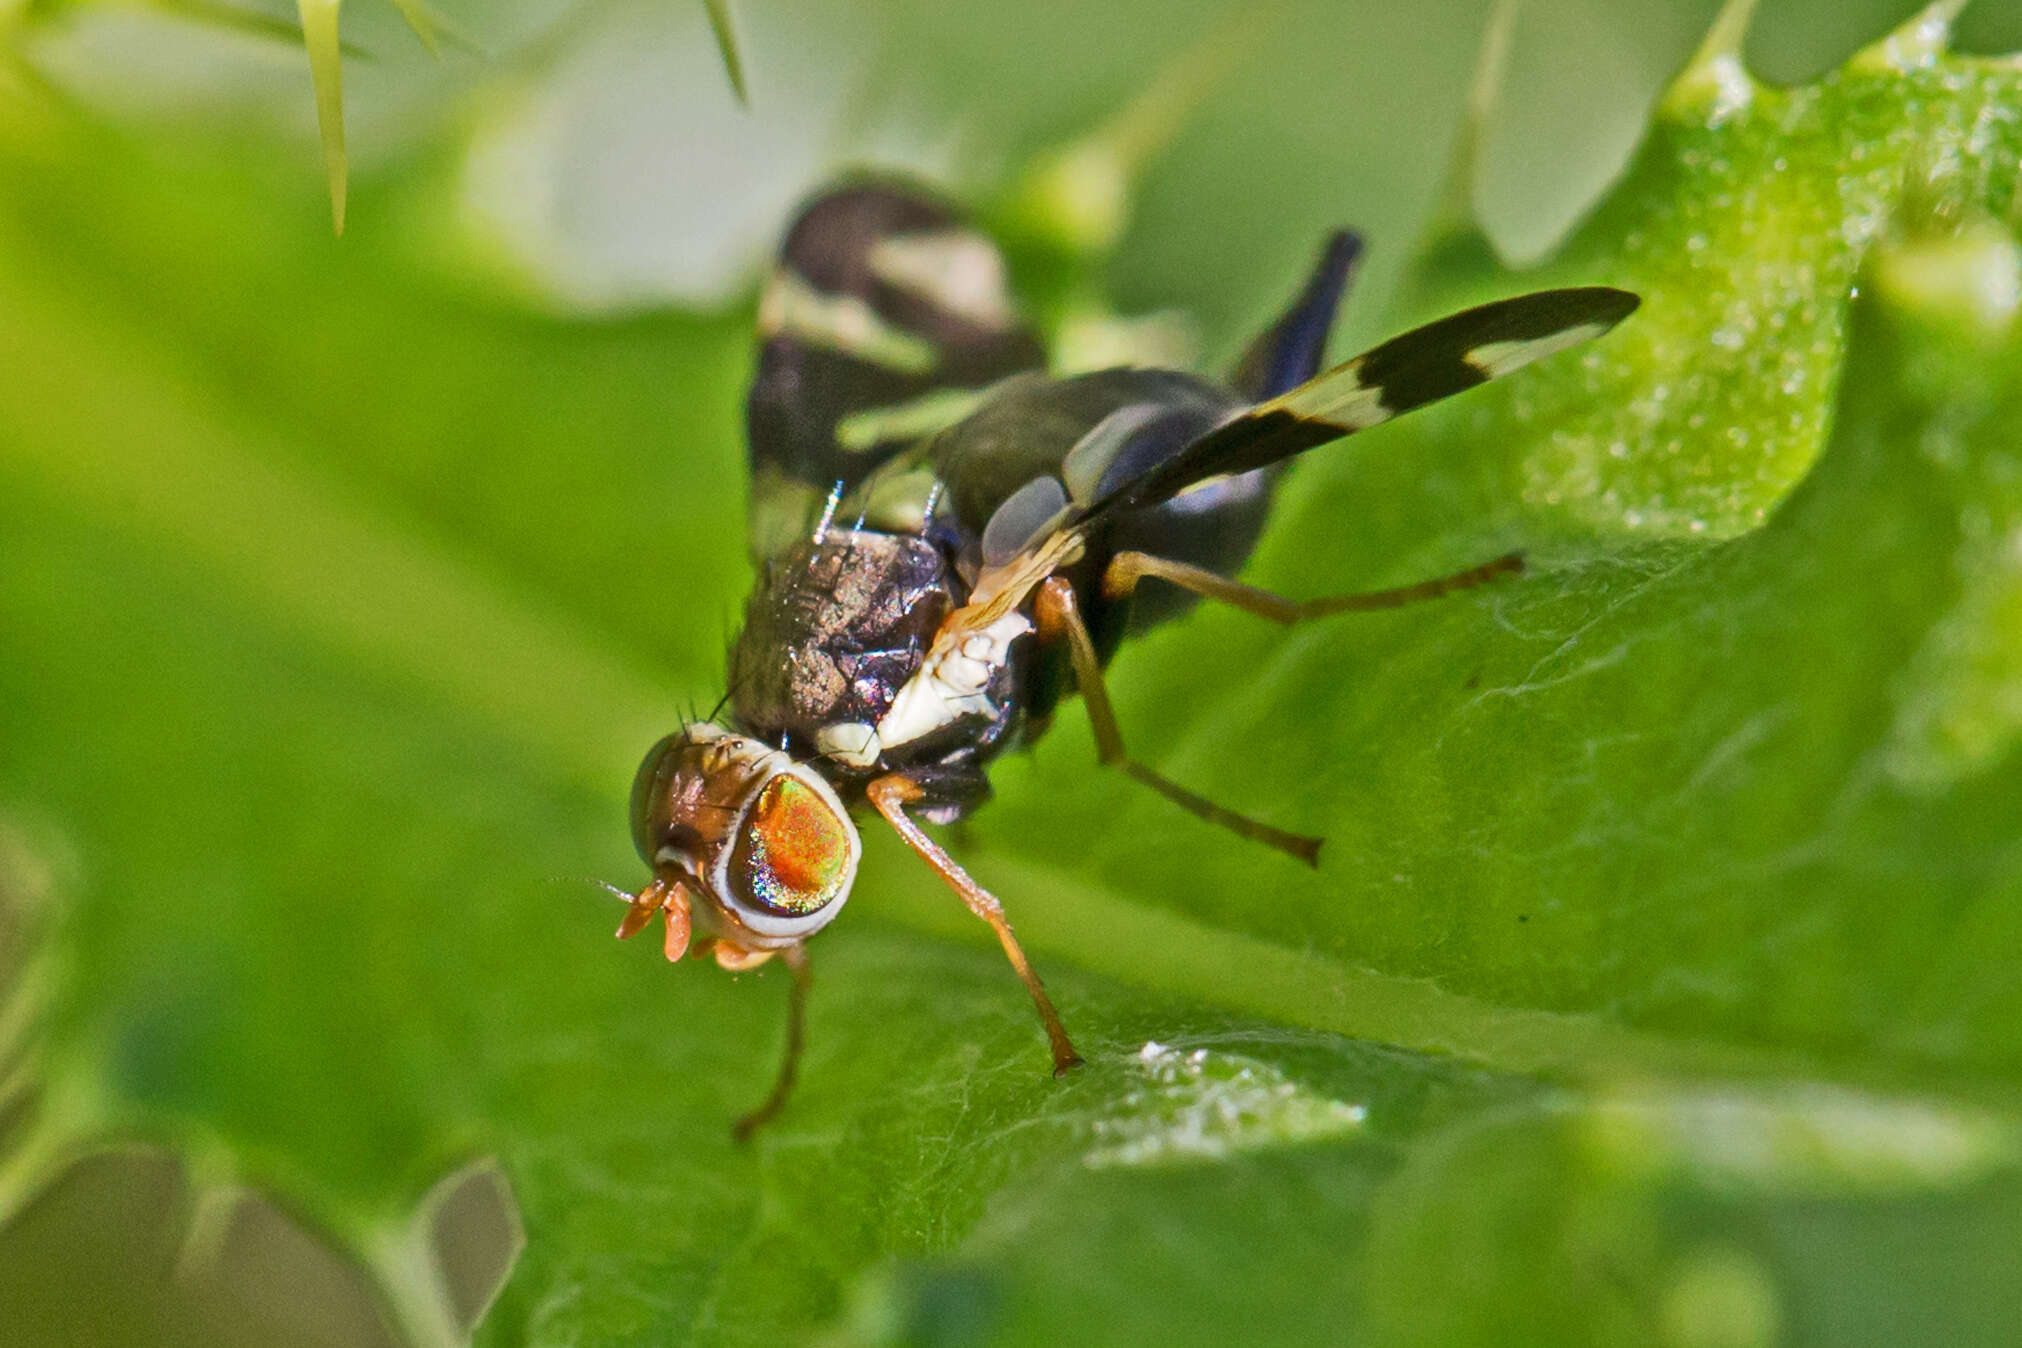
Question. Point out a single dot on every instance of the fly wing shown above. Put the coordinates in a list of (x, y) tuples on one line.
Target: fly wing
[(1288, 353), (883, 316), (1421, 366)]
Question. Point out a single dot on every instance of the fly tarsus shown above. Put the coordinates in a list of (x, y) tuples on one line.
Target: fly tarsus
[(794, 957)]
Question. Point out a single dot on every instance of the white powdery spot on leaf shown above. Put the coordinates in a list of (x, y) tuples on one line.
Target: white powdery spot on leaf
[(1809, 1138), (1198, 1105)]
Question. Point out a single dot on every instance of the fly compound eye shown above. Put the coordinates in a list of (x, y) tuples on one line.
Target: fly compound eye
[(650, 797), (795, 858)]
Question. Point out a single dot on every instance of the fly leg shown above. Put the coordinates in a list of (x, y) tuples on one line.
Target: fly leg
[(1059, 619), (794, 957), (889, 796), (1127, 568)]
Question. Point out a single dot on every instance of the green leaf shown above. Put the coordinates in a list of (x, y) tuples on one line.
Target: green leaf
[(1654, 986)]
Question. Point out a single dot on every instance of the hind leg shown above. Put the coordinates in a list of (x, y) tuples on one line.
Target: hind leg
[(1126, 569), (1059, 619)]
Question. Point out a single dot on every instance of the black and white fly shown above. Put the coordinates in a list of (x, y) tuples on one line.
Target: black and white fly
[(947, 535)]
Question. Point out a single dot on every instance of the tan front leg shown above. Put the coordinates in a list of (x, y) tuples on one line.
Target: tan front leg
[(889, 796)]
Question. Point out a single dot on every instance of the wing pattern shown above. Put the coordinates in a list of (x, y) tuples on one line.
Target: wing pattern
[(883, 304), (1407, 372)]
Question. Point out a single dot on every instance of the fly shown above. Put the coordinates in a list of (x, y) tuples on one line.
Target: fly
[(1005, 520)]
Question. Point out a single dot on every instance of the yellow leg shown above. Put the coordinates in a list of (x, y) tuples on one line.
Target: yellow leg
[(1127, 568), (1059, 619), (889, 796)]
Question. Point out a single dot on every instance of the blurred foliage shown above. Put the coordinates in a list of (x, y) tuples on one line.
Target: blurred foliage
[(1654, 987)]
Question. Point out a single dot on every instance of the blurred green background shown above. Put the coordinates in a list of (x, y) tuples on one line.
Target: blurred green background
[(1658, 985)]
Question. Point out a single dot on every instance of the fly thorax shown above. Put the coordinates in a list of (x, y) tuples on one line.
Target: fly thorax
[(836, 627), (953, 683)]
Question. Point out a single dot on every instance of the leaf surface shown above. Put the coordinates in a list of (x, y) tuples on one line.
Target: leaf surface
[(1654, 986)]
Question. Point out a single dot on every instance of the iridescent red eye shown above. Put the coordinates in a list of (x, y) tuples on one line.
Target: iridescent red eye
[(795, 854)]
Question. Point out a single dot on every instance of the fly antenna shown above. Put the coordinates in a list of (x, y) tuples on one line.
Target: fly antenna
[(604, 885)]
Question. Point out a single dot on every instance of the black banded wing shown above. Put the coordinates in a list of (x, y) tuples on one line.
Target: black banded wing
[(885, 313), (1422, 366)]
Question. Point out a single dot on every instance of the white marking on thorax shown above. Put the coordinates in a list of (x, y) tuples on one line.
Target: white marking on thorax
[(953, 682), (851, 742)]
